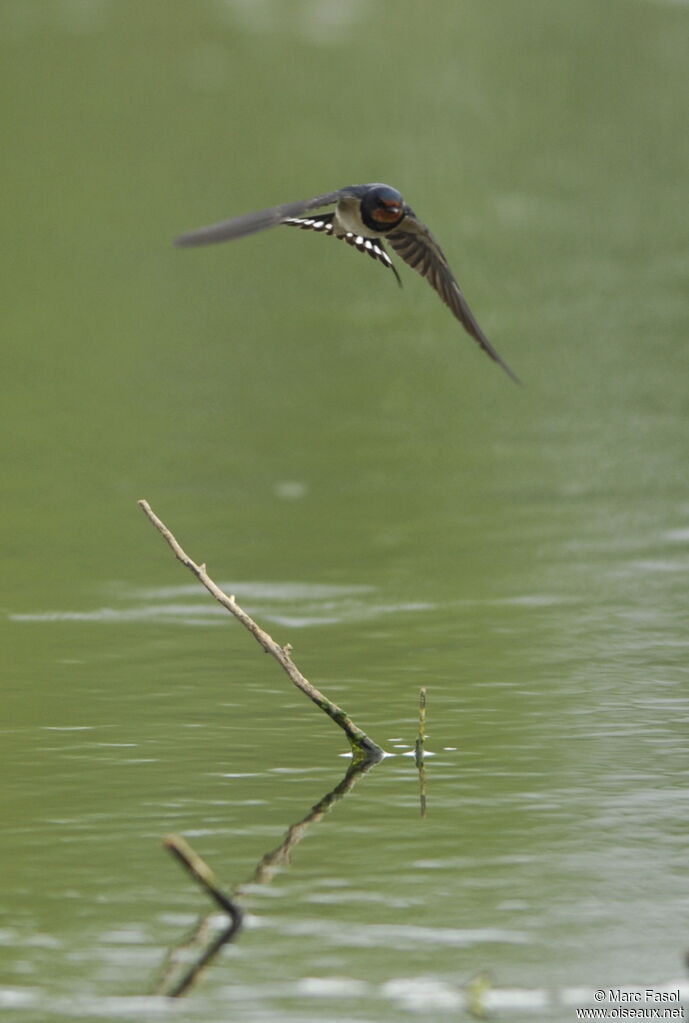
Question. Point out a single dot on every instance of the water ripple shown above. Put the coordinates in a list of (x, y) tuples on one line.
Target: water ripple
[(309, 604)]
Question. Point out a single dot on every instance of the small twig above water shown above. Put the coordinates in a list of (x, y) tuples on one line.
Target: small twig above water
[(363, 748), (421, 737), (419, 749)]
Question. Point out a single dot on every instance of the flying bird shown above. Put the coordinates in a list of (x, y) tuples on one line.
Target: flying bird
[(364, 215)]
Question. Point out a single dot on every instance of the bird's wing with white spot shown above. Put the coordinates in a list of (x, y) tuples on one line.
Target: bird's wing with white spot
[(249, 223), (323, 223), (416, 245)]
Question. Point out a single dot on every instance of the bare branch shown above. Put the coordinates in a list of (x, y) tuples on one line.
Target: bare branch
[(362, 746)]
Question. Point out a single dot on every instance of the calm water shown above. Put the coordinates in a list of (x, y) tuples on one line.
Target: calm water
[(371, 488)]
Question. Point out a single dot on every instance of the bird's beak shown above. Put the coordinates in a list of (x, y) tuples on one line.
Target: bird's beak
[(389, 211)]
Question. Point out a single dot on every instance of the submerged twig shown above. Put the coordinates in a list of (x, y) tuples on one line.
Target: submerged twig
[(362, 747), (475, 993)]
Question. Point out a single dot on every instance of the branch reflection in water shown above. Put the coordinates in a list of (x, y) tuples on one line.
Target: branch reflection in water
[(186, 961)]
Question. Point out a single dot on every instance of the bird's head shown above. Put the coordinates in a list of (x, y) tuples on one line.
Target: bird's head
[(382, 207)]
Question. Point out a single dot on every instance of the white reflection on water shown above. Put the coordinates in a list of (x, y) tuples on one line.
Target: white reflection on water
[(309, 604), (420, 995)]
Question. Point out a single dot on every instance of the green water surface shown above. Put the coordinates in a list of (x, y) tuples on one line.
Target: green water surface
[(370, 486)]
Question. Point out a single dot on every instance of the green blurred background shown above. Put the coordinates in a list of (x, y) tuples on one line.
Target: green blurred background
[(370, 485)]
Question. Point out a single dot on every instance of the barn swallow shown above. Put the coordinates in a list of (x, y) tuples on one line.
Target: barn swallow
[(364, 215)]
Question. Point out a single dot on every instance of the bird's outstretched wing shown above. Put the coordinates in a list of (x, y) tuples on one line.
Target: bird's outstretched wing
[(249, 223), (416, 245), (323, 223)]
